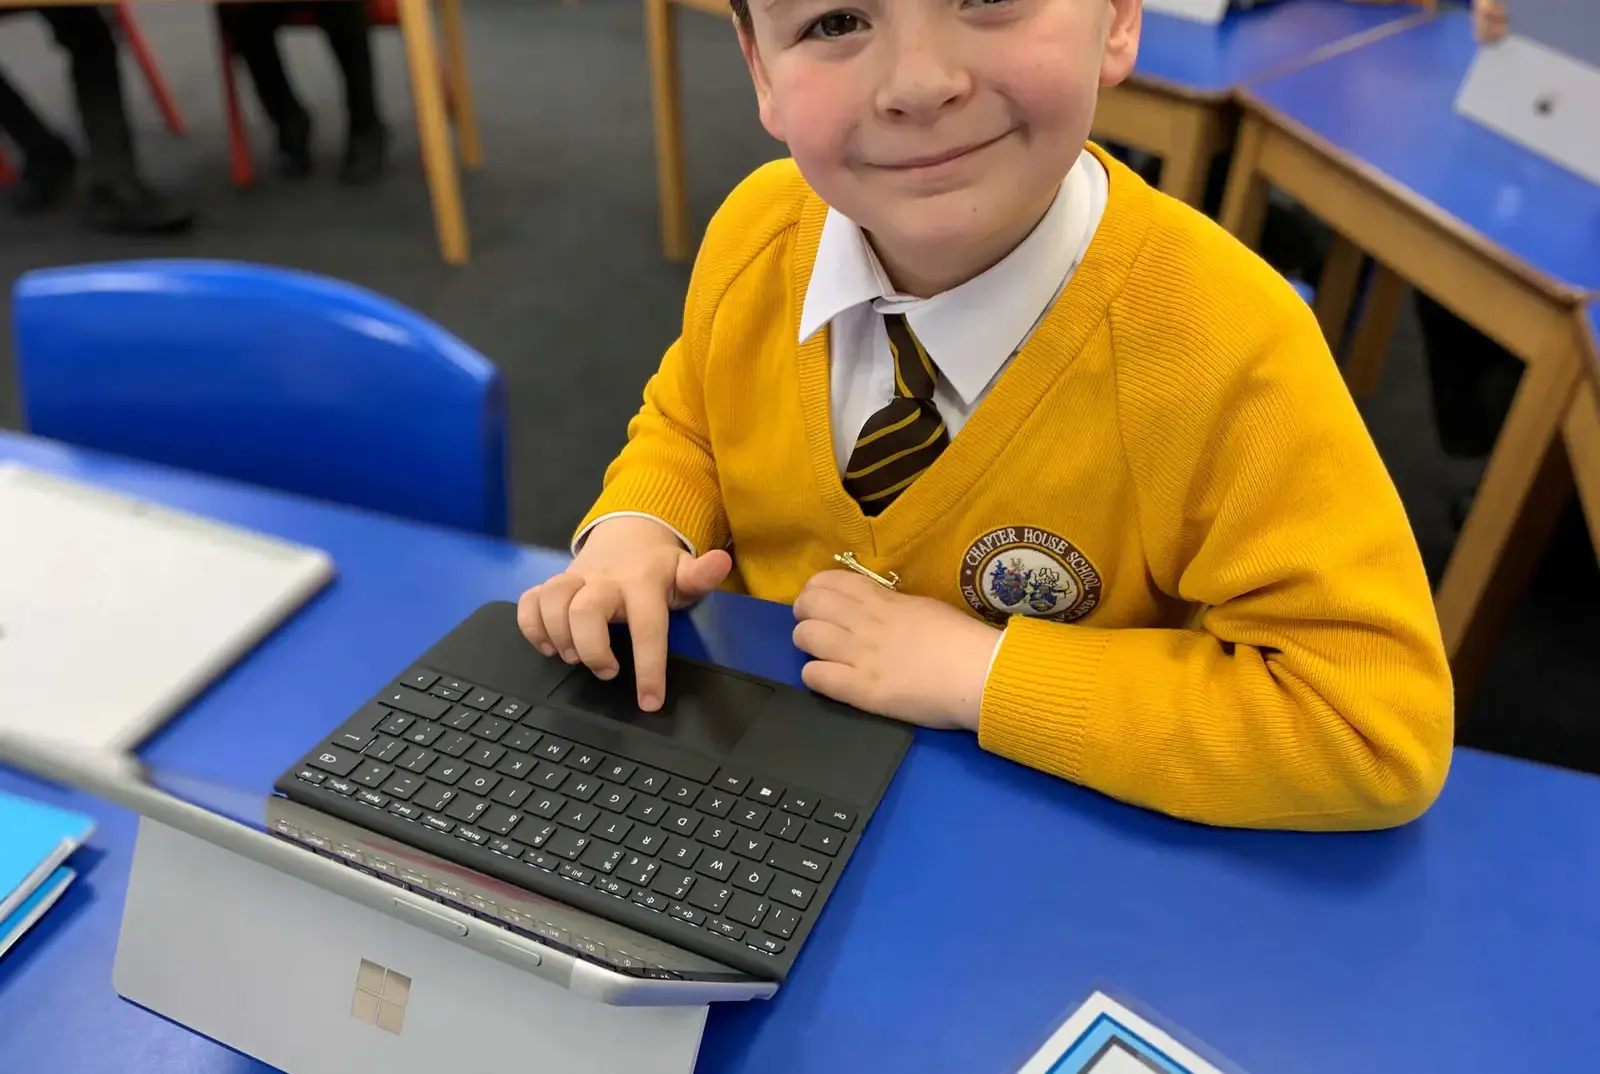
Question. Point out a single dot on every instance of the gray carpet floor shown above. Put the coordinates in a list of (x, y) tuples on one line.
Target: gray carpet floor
[(567, 291)]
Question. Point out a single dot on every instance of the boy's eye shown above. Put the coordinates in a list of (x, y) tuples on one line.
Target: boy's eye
[(835, 24)]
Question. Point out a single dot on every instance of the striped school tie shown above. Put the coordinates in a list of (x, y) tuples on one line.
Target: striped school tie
[(900, 441)]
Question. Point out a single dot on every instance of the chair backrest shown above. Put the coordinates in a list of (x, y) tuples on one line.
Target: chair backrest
[(266, 375)]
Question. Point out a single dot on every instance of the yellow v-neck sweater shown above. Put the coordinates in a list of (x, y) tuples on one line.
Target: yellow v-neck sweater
[(1214, 603)]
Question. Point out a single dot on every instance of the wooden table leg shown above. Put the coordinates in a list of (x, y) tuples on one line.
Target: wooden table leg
[(438, 158), (1583, 448), (455, 45), (1336, 289), (661, 28), (1244, 204), (1187, 162), (1369, 347), (1517, 504)]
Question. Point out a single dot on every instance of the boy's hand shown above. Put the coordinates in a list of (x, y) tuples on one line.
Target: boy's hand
[(912, 658), (630, 570), (1488, 21)]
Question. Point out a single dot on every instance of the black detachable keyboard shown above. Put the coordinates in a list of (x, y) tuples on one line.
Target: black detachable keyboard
[(717, 859)]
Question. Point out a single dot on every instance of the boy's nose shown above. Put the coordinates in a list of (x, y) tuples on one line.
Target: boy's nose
[(921, 80)]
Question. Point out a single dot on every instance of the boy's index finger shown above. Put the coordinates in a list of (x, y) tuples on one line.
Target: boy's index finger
[(647, 627)]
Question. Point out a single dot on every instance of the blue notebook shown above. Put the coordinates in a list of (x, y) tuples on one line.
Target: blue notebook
[(35, 840), (33, 907)]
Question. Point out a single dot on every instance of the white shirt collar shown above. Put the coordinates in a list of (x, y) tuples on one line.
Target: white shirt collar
[(972, 330)]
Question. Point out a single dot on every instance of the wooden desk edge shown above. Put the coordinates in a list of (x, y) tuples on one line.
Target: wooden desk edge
[(1423, 207)]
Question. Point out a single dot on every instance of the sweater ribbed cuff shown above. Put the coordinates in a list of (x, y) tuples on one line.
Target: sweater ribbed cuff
[(1040, 691), (683, 506)]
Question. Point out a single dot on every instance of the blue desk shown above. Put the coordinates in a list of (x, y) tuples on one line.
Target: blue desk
[(986, 900), (1368, 139), (1176, 104)]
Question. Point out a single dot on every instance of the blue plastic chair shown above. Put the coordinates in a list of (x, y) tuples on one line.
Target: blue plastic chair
[(275, 377)]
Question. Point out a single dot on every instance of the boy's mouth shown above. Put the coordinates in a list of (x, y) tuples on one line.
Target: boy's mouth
[(934, 160)]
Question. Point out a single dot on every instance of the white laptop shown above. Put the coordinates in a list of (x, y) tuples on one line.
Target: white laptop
[(1540, 86), (115, 612)]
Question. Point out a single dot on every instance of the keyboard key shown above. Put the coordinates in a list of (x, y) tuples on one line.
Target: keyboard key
[(648, 810), (339, 762), (617, 770), (805, 864), (434, 796), (492, 728), (565, 844), (651, 900), (727, 928), (499, 820), (584, 759), (471, 835), (785, 826), (387, 750), (510, 793), (310, 776), (730, 781), (835, 815), (782, 922), (752, 845), (680, 821), (718, 803), (576, 872), (612, 828), (797, 893), (521, 739), (533, 831), (686, 913), (461, 718), (511, 708), (485, 754), (583, 788), (543, 859), (645, 841), (613, 886), (479, 781), (546, 805), (448, 770), (800, 803), (340, 785), (637, 869), (446, 693), (438, 823), (680, 792), (354, 740), (454, 743), (372, 798), (396, 723), (553, 749), (717, 866), (648, 781), (418, 759), (768, 794), (507, 847), (680, 851), (420, 678), (750, 815), (603, 857), (717, 834), (673, 882), (423, 733), (453, 685), (372, 774), (826, 840), (578, 816), (406, 810), (550, 776), (483, 699), (711, 897), (614, 798), (415, 702), (753, 878), (466, 808), (517, 765), (747, 909)]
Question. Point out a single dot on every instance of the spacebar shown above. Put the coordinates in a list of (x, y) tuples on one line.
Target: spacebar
[(635, 745)]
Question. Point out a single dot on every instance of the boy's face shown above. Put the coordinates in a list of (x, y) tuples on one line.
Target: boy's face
[(937, 125)]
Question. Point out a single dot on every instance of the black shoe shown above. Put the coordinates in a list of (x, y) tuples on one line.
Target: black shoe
[(364, 156), (129, 207), (294, 148), (46, 181)]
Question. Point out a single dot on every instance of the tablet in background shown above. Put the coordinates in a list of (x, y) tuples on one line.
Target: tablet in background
[(115, 612), (1105, 1037)]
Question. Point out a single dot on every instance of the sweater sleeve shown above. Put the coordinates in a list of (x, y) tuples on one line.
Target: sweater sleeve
[(1310, 690)]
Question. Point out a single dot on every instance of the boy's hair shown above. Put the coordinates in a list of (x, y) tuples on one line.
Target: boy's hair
[(741, 11)]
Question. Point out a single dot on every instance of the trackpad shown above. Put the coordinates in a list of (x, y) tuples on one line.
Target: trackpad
[(705, 710)]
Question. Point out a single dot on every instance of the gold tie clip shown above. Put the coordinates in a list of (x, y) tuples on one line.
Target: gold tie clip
[(848, 559)]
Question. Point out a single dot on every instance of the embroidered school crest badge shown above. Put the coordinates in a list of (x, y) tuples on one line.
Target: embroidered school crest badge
[(1019, 570)]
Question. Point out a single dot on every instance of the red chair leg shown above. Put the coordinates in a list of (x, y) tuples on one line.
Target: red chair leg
[(8, 174), (140, 47), (244, 172)]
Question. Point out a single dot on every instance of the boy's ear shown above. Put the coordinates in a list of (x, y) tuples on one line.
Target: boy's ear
[(758, 75), (1122, 41)]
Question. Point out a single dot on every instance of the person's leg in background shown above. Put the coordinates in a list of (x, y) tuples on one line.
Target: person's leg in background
[(48, 164), (252, 32), (344, 23)]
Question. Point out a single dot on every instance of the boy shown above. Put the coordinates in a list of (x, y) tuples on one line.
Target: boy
[(1141, 537), (252, 29)]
